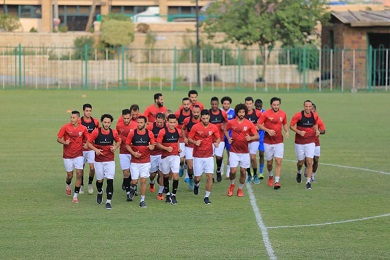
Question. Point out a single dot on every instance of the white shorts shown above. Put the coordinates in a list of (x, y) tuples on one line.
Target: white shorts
[(219, 150), (203, 165), (182, 148), (139, 170), (104, 170), (304, 150), (273, 151), (170, 163), (89, 156), (74, 163), (239, 158), (124, 161), (253, 147), (189, 151), (317, 151), (155, 163)]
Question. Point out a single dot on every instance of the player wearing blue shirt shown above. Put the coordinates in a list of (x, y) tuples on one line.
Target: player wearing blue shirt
[(226, 103), (259, 106)]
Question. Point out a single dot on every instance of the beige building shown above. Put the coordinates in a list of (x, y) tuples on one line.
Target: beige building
[(39, 14)]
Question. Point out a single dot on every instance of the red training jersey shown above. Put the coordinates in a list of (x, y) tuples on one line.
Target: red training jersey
[(321, 126), (155, 130), (274, 121), (188, 123), (152, 111), (181, 115), (90, 123), (123, 131), (239, 131), (305, 123), (207, 134), (75, 135), (139, 141), (168, 137), (104, 139), (192, 106), (218, 118)]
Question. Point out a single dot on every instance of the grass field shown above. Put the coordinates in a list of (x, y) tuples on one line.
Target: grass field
[(350, 201)]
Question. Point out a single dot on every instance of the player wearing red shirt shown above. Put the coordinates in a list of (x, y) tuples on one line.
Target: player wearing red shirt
[(189, 122), (139, 143), (317, 149), (305, 126), (202, 135), (272, 121), (182, 113), (71, 136), (218, 118), (124, 127), (89, 156), (253, 115), (158, 107), (193, 96), (243, 132), (155, 156), (168, 141), (102, 141)]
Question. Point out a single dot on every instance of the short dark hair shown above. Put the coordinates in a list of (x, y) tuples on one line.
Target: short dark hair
[(75, 112), (185, 99), (275, 99), (160, 116), (249, 99), (258, 101), (314, 105), (192, 92), (87, 106), (195, 106), (171, 116), (157, 96), (134, 107), (214, 99), (126, 111), (308, 100), (204, 112), (106, 116), (226, 99), (142, 117), (240, 107)]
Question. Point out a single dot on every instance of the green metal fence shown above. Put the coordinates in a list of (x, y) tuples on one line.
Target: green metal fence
[(299, 69)]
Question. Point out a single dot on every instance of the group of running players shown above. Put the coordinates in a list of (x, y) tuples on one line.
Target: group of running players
[(162, 146)]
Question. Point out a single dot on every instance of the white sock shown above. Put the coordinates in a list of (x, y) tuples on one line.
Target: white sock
[(207, 193), (277, 178), (75, 195), (142, 198), (270, 174), (227, 170), (240, 186), (161, 189), (108, 201), (313, 174), (308, 180), (232, 181)]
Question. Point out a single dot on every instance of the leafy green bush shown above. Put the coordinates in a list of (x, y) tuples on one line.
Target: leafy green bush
[(63, 28), (9, 23), (33, 30), (306, 57), (79, 44)]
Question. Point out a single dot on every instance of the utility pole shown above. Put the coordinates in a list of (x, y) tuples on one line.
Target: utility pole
[(197, 47)]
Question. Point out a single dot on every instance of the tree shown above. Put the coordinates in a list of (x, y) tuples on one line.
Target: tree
[(9, 23), (265, 22), (116, 33)]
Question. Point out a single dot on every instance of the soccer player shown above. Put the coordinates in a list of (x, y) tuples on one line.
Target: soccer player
[(202, 136), (252, 115), (243, 132), (305, 126), (139, 143), (168, 142), (317, 149), (193, 96), (89, 156), (155, 156), (218, 118), (226, 103), (271, 122), (259, 107), (189, 122), (158, 107), (123, 128), (102, 141), (71, 136), (181, 114)]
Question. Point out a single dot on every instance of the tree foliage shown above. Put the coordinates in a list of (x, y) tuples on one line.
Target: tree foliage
[(9, 23), (116, 33), (266, 22)]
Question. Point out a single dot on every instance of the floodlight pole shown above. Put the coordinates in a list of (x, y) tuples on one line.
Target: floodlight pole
[(197, 46)]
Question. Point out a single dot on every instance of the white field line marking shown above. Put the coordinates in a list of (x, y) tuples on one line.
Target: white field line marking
[(348, 167), (260, 223), (332, 223)]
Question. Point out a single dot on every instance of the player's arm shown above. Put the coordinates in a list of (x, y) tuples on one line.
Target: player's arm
[(159, 140), (254, 134), (118, 141), (293, 124), (217, 138), (191, 137), (152, 142), (62, 141)]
